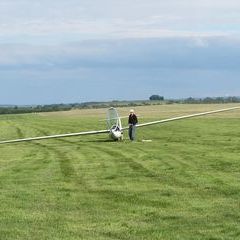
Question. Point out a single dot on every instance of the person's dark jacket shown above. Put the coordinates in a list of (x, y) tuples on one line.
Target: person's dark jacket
[(132, 119)]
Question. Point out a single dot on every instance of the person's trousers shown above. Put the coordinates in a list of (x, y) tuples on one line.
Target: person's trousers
[(132, 132)]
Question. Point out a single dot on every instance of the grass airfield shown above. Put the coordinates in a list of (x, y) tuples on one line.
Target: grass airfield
[(185, 184)]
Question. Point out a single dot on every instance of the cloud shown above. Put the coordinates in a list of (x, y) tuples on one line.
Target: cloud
[(61, 21), (61, 32), (172, 53), (200, 42), (178, 48)]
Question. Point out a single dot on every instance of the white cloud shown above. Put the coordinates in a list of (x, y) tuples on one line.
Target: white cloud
[(200, 42), (59, 20), (85, 43), (63, 31)]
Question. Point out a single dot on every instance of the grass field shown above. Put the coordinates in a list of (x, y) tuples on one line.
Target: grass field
[(185, 184)]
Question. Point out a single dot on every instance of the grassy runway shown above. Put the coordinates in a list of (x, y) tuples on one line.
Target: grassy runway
[(185, 184)]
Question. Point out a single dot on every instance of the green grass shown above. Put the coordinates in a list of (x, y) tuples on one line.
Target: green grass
[(185, 184)]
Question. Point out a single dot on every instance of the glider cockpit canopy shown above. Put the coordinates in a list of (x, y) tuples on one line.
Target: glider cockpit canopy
[(113, 119)]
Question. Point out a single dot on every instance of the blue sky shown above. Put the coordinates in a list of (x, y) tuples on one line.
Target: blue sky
[(74, 51)]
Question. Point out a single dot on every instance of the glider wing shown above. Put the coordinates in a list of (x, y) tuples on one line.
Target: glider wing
[(55, 136), (184, 117)]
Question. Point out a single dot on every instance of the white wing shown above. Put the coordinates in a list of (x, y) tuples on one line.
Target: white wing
[(55, 136), (183, 117), (107, 131)]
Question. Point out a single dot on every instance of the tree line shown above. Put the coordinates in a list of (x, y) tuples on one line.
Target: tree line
[(207, 100), (153, 100)]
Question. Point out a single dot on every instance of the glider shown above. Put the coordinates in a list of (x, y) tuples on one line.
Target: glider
[(114, 125)]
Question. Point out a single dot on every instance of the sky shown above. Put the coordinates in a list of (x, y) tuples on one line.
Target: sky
[(79, 50)]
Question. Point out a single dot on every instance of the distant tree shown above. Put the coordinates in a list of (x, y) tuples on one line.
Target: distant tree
[(191, 100), (156, 98)]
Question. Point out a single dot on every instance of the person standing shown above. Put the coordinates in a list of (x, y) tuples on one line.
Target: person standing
[(132, 122)]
